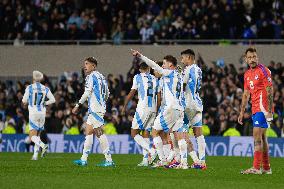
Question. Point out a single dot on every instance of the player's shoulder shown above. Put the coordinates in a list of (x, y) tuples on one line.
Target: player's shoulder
[(46, 88), (246, 73), (136, 75), (187, 69), (263, 69), (28, 87), (151, 76)]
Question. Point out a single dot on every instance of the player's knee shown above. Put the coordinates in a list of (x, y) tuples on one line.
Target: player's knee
[(155, 133), (134, 132), (98, 132), (146, 134), (257, 141), (88, 132), (197, 131)]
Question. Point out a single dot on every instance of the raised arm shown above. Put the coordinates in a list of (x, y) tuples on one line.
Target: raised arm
[(151, 63)]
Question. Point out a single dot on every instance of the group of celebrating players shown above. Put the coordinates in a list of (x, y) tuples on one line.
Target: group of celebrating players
[(169, 103)]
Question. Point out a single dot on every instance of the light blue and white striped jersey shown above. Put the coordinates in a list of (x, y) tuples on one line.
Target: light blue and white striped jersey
[(172, 89), (35, 95), (193, 81), (147, 87), (172, 85), (97, 85)]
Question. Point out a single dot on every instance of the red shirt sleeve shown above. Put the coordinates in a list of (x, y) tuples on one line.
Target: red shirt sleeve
[(267, 81)]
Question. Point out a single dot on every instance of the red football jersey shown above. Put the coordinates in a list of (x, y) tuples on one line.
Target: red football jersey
[(255, 81)]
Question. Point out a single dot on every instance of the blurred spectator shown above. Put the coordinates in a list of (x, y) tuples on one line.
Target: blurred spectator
[(205, 19)]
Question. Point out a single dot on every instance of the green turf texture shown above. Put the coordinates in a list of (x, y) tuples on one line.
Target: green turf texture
[(57, 171)]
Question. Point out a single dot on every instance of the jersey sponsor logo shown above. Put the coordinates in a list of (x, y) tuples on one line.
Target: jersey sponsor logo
[(256, 122)]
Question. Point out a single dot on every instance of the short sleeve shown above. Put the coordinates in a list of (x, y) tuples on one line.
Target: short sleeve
[(89, 83), (267, 81), (26, 96), (246, 86), (186, 75), (134, 85)]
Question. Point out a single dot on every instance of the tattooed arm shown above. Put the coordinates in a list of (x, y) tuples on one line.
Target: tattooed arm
[(269, 90)]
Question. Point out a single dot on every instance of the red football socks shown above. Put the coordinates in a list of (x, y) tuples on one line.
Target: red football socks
[(265, 161), (257, 159)]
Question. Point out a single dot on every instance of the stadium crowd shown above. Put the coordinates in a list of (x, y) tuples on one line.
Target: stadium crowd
[(221, 93), (145, 20)]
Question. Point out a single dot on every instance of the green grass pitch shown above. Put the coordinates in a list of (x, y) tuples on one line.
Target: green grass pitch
[(57, 171)]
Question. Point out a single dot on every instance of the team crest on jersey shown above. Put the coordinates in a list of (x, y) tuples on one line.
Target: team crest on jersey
[(256, 77), (248, 78), (269, 79)]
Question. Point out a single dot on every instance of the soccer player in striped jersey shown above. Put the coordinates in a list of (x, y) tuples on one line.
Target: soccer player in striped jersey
[(35, 96), (97, 92), (146, 85), (193, 104), (170, 118)]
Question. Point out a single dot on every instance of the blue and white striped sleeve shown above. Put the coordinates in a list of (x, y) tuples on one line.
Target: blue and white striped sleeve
[(134, 85)]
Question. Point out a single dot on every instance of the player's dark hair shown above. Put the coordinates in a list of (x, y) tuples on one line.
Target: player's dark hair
[(171, 59), (92, 60), (188, 52), (250, 49), (160, 63), (143, 66)]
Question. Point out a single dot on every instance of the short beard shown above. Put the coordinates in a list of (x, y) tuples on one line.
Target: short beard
[(253, 64)]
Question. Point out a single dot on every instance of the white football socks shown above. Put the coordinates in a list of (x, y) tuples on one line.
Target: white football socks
[(201, 148), (193, 156), (144, 151), (183, 150), (37, 141), (142, 142), (105, 147), (159, 147), (87, 147), (36, 150), (167, 150)]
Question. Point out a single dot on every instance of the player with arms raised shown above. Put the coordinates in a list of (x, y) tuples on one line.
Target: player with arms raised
[(34, 97), (96, 91), (258, 86), (170, 118)]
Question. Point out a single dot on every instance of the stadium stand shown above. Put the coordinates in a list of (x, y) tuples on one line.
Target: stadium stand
[(145, 20)]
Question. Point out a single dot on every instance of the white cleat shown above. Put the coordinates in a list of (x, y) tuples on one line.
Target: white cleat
[(267, 172), (182, 166), (34, 158), (252, 171), (44, 150), (143, 164), (159, 164)]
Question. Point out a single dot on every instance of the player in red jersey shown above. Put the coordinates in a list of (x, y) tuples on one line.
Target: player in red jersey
[(258, 86)]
